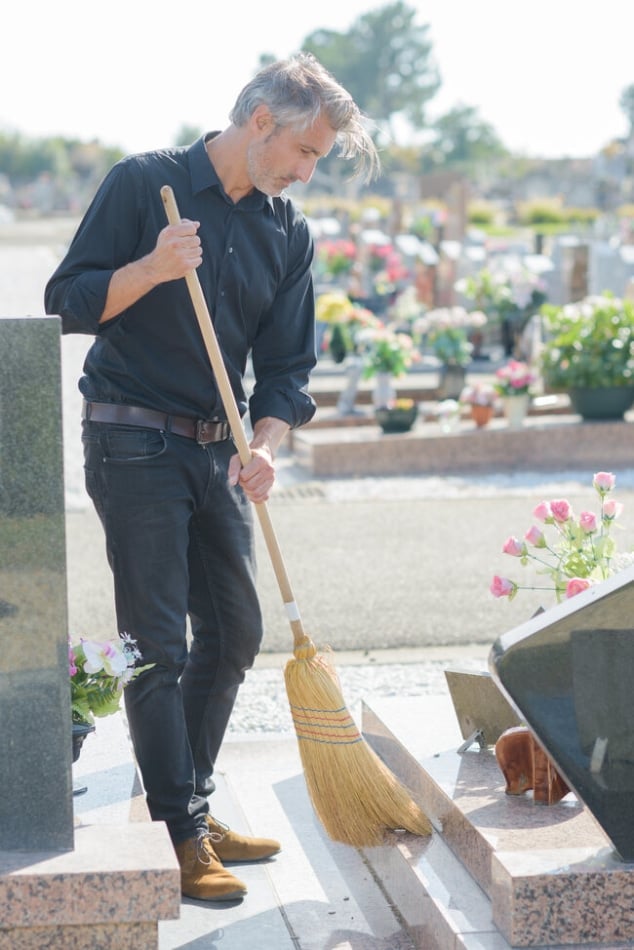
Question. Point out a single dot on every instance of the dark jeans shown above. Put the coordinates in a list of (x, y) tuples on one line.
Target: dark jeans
[(179, 542)]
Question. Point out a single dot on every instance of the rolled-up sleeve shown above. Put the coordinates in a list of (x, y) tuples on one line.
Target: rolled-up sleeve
[(78, 288), (283, 353)]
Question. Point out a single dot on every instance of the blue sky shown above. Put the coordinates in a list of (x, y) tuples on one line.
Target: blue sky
[(547, 74)]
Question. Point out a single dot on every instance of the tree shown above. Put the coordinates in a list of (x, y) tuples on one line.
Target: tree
[(384, 61), (626, 102), (461, 139)]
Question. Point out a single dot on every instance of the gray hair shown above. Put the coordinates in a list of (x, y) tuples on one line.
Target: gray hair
[(297, 91)]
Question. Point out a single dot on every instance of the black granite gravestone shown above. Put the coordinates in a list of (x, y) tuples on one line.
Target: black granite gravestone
[(569, 672), (36, 812)]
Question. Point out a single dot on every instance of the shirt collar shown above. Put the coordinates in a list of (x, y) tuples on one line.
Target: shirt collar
[(203, 175)]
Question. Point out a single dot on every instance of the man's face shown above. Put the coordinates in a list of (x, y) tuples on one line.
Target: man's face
[(279, 155)]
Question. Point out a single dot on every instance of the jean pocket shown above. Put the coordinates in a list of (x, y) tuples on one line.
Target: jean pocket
[(124, 445)]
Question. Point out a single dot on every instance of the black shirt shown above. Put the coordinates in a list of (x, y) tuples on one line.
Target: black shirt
[(255, 275)]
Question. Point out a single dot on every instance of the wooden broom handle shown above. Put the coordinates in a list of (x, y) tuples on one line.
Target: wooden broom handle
[(237, 428)]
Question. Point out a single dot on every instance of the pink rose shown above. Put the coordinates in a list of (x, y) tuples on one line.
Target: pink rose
[(611, 509), (542, 512), (588, 521), (514, 547), (561, 510), (502, 587), (576, 585), (535, 537), (604, 482), (72, 666)]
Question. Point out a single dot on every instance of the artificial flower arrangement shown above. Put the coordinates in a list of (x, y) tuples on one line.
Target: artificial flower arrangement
[(446, 331), (336, 256), (580, 552), (504, 289), (516, 378), (344, 319), (385, 350), (479, 394), (99, 671)]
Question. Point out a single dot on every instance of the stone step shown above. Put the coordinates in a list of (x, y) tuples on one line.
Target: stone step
[(547, 874)]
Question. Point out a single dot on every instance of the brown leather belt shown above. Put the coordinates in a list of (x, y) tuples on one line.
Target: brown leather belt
[(202, 430)]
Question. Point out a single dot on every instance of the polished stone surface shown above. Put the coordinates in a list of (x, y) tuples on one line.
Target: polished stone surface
[(35, 747), (569, 673), (549, 872)]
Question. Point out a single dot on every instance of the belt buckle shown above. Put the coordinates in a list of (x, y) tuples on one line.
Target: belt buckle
[(202, 436)]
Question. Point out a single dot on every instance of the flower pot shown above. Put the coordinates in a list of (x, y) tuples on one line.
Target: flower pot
[(605, 402), (481, 415), (79, 732), (347, 399), (452, 380), (516, 409), (396, 419), (384, 391)]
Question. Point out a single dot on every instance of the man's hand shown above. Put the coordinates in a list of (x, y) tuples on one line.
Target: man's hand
[(258, 475), (178, 251)]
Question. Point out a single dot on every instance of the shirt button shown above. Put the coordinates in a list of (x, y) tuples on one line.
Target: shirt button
[(231, 250)]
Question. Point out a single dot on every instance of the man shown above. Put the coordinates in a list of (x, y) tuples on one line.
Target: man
[(161, 468)]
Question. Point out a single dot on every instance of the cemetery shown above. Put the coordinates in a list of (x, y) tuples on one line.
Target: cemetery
[(81, 865)]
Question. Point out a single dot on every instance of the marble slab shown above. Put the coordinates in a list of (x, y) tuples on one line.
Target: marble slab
[(550, 873)]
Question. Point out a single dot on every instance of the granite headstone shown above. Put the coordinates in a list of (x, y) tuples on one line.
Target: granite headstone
[(36, 812), (569, 672)]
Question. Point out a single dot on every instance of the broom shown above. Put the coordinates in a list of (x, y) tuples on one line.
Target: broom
[(355, 796)]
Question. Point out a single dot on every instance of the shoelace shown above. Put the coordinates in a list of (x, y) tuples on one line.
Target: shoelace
[(217, 835), (204, 847)]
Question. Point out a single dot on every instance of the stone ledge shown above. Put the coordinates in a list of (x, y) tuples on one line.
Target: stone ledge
[(550, 442), (549, 874), (128, 872)]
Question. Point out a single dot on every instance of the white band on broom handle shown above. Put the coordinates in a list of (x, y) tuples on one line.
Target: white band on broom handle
[(237, 428)]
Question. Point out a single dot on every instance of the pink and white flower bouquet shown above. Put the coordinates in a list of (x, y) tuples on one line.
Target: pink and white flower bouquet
[(99, 671), (573, 551), (514, 379)]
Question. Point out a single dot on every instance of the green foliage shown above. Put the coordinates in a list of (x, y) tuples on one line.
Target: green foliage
[(589, 344), (383, 61), (462, 139), (540, 211), (24, 160), (481, 214)]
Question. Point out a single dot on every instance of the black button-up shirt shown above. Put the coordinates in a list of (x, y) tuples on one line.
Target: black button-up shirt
[(255, 275)]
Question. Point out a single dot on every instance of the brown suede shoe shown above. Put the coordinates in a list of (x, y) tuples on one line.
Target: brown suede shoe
[(231, 846), (202, 874)]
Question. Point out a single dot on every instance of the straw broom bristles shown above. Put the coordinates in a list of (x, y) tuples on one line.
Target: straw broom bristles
[(355, 796)]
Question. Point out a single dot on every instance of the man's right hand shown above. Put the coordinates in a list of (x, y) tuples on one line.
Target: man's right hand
[(178, 250)]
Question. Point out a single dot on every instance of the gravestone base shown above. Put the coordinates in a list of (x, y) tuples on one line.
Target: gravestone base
[(558, 441), (499, 871), (109, 892)]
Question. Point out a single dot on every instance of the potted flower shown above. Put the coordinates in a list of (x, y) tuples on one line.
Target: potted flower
[(336, 257), (514, 383), (508, 292), (399, 416), (481, 399), (446, 332), (589, 353), (99, 672), (387, 354), (343, 319)]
